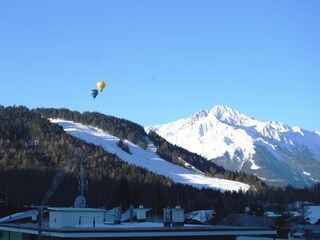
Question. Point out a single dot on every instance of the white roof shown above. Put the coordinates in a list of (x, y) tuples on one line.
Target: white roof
[(71, 209), (17, 216)]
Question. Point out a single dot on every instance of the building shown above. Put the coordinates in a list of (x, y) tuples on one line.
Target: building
[(66, 217), (89, 223)]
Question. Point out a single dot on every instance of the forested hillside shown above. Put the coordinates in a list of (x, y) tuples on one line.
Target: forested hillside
[(34, 154), (39, 163), (33, 150), (135, 133)]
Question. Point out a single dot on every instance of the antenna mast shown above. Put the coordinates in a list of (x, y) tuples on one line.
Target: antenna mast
[(83, 183), (80, 201)]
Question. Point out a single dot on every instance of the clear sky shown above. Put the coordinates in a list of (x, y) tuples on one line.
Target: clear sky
[(164, 60)]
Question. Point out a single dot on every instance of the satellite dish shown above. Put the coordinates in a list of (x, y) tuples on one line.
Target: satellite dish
[(80, 202)]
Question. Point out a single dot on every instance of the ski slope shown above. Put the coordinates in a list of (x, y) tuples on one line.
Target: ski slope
[(147, 158)]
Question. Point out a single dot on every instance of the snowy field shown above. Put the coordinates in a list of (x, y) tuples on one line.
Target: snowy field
[(147, 158)]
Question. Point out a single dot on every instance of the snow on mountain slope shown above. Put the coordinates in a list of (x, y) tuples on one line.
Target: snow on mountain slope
[(147, 158), (272, 150), (210, 133)]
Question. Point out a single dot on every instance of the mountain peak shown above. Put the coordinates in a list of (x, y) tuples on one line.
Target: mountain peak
[(241, 143), (231, 116), (221, 111)]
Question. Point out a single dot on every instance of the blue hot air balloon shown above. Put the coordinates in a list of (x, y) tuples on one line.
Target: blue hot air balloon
[(94, 93)]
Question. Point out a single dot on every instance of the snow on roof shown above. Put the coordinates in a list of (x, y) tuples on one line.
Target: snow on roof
[(201, 215), (70, 209), (134, 225), (313, 213), (17, 216)]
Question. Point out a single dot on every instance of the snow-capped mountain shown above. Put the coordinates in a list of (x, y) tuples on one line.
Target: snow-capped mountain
[(148, 158), (274, 151)]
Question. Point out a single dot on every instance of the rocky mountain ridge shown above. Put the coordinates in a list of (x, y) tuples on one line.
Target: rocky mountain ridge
[(274, 151)]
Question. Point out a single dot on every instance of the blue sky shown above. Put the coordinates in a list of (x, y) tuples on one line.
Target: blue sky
[(164, 60)]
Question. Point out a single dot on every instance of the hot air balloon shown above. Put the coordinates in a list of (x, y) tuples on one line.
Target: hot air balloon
[(94, 93), (101, 85)]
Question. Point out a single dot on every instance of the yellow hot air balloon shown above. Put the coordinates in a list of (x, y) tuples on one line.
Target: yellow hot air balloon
[(101, 85)]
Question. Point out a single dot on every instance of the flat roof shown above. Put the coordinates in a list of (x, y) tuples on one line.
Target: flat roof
[(129, 230), (72, 209)]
